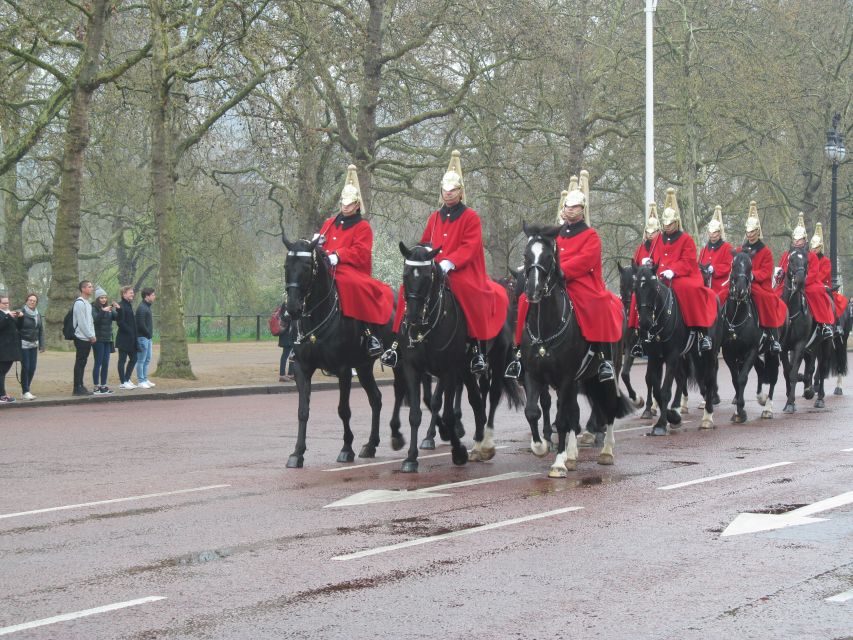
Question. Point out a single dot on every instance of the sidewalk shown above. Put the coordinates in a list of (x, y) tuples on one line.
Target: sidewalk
[(222, 369)]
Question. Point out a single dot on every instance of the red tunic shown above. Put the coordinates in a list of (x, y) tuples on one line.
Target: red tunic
[(720, 256), (771, 314), (599, 311), (818, 301), (458, 232), (698, 304), (645, 250), (362, 297), (826, 279)]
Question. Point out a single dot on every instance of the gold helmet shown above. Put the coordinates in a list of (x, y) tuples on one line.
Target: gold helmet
[(452, 178), (816, 243), (671, 213), (800, 232), (716, 223), (563, 195), (753, 222), (351, 191), (652, 222)]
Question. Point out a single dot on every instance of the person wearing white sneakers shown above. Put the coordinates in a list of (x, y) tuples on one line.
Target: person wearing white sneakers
[(32, 343), (144, 332), (126, 342)]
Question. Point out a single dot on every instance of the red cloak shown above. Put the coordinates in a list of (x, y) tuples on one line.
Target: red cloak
[(771, 314), (819, 304), (720, 257), (697, 303), (826, 278)]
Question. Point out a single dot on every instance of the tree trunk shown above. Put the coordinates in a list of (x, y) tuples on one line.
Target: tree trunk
[(12, 267), (66, 242), (174, 361)]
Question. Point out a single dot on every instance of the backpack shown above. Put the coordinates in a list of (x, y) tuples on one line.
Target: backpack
[(275, 321), (68, 327)]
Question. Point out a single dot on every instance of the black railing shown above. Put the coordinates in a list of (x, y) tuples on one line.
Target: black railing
[(224, 328)]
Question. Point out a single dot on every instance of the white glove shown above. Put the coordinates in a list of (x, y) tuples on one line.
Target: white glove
[(446, 265), (777, 272), (710, 268), (669, 274), (646, 261), (321, 240), (333, 259)]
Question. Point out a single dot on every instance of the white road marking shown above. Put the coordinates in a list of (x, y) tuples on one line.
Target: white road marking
[(841, 597), (373, 496), (453, 534), (78, 614), (723, 475), (395, 460), (756, 522), (846, 450), (113, 501)]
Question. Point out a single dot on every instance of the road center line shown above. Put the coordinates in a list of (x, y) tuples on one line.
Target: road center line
[(113, 501), (453, 534), (394, 461), (847, 450), (78, 614), (723, 475), (841, 597)]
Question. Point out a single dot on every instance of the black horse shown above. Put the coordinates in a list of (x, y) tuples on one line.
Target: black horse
[(555, 354), (742, 342), (669, 342), (435, 342), (837, 357), (629, 338), (328, 340)]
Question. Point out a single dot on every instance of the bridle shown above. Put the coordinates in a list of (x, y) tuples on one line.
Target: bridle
[(665, 309), (431, 309), (551, 280), (306, 312)]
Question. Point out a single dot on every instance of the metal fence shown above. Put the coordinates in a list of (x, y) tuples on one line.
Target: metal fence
[(225, 328)]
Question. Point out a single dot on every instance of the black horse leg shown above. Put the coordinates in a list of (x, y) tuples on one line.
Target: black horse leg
[(397, 439), (457, 413), (410, 464), (568, 426), (483, 449), (545, 404), (534, 391), (794, 360), (654, 370), (374, 397), (345, 413), (303, 384), (808, 372), (459, 454)]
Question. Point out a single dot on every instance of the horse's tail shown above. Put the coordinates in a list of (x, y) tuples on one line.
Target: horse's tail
[(839, 357), (767, 368), (513, 392), (606, 403)]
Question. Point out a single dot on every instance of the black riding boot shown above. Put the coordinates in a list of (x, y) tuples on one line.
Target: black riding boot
[(773, 335), (391, 356), (606, 372), (478, 362), (513, 369), (371, 343)]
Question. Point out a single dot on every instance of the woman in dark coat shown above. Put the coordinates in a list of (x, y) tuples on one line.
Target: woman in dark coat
[(10, 343), (32, 342), (103, 315), (126, 338)]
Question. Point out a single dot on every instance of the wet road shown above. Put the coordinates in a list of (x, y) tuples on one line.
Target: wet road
[(198, 531)]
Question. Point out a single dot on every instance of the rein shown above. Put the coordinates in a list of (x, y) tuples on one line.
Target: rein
[(656, 312), (566, 313), (428, 309), (301, 333)]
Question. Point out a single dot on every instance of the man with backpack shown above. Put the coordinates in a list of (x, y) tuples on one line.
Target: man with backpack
[(84, 335)]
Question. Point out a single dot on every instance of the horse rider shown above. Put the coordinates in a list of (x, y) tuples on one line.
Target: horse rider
[(771, 314), (347, 239), (675, 256), (456, 229), (839, 302), (643, 256), (717, 256), (599, 312), (816, 298)]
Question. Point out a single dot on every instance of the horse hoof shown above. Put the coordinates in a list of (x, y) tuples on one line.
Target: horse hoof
[(605, 459), (474, 456), (397, 442), (487, 453), (819, 403), (838, 391), (346, 456), (409, 466), (737, 418), (637, 402), (460, 455), (367, 451), (708, 423), (789, 408), (647, 415), (658, 431), (557, 472), (586, 439), (808, 394), (767, 414), (685, 411), (673, 417), (539, 449), (295, 461), (428, 443)]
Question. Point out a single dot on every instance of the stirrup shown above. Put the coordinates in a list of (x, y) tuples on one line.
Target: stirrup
[(826, 332), (606, 372), (390, 357), (775, 347), (478, 363), (705, 344), (637, 350), (513, 370), (374, 347)]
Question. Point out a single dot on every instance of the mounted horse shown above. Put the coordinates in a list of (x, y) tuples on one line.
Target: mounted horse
[(845, 324), (742, 338), (435, 342), (668, 341), (555, 354), (328, 340)]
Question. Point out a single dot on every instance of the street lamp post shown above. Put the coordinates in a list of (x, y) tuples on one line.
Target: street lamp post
[(836, 152)]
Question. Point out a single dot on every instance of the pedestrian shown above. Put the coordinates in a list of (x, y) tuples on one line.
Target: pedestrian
[(285, 341), (126, 338), (32, 342), (144, 334), (84, 335), (103, 315), (10, 343)]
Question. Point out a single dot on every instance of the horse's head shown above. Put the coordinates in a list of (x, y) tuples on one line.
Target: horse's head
[(626, 282), (740, 279), (302, 266), (646, 286), (798, 266), (706, 274), (421, 275), (541, 262)]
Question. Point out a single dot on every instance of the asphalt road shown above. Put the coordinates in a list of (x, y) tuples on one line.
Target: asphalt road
[(199, 531)]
